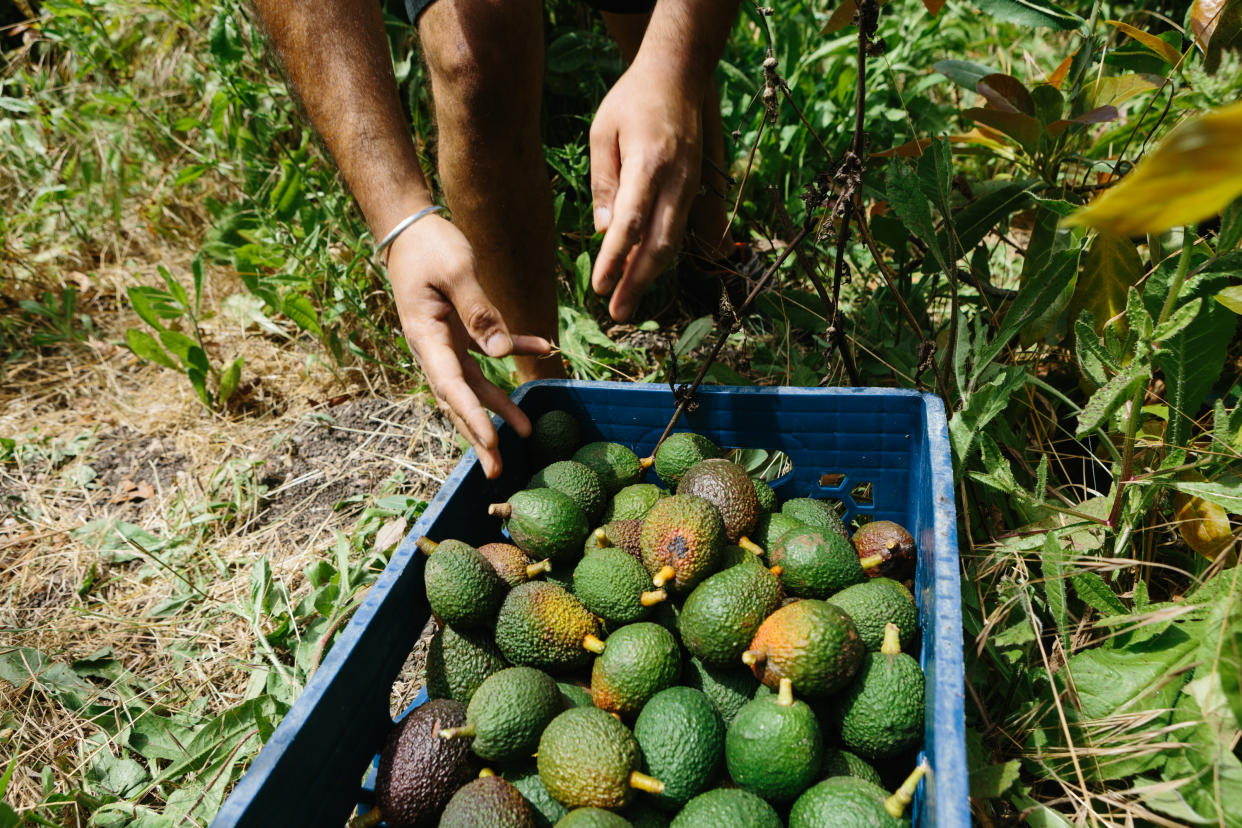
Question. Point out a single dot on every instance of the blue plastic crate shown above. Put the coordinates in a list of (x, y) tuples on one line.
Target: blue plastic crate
[(311, 770)]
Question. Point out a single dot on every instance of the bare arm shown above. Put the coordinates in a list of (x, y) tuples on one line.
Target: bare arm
[(646, 146), (336, 55)]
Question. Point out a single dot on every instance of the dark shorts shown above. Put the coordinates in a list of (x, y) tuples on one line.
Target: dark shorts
[(414, 8)]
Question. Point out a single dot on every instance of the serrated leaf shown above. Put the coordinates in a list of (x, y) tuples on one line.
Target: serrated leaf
[(1191, 362), (1178, 321), (1095, 593), (936, 176), (145, 347), (1193, 173), (994, 780), (905, 196), (1041, 478), (1035, 294), (1038, 14), (1110, 397), (1137, 317), (1112, 265), (1166, 52), (298, 307), (1225, 492), (1053, 565)]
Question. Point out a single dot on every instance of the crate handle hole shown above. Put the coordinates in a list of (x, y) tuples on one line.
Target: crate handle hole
[(863, 493), (832, 480)]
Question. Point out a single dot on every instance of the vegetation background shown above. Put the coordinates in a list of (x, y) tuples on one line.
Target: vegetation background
[(211, 434)]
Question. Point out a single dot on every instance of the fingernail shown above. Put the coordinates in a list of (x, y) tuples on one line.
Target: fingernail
[(602, 216), (498, 345)]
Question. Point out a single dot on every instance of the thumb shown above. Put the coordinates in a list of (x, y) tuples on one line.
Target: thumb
[(480, 317), (605, 173)]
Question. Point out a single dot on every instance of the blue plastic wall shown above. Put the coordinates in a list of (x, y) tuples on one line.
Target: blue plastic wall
[(310, 771)]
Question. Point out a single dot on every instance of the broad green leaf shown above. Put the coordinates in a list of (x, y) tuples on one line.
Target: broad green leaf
[(994, 780), (197, 271), (1048, 103), (1095, 593), (981, 407), (122, 777), (582, 270), (175, 290), (973, 222), (694, 335), (1038, 14), (1137, 317), (179, 345), (962, 72), (1225, 492), (145, 347), (1193, 174), (1053, 564), (1166, 52), (229, 379), (1006, 93), (1110, 397), (1034, 296), (1192, 361), (1114, 90), (198, 379), (29, 669), (286, 196), (1111, 267), (1022, 128), (906, 197), (1231, 297), (298, 307)]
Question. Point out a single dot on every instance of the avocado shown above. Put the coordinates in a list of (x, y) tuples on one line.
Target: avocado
[(875, 603), (818, 514), (723, 613), (880, 713), (638, 661), (526, 779), (458, 661), (642, 814), (542, 625), (633, 502), (587, 758), (545, 523), (815, 563), (623, 534), (771, 528), (615, 464), (614, 586), (575, 695), (731, 556), (727, 487), (508, 713), (490, 801), (682, 537), (728, 689), (580, 483), (593, 818), (419, 771), (554, 436), (681, 738), (462, 587), (854, 803), (774, 746), (727, 808), (764, 496), (679, 452), (840, 762), (512, 564), (888, 541), (811, 642)]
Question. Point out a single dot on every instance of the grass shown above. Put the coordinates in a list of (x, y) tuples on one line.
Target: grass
[(172, 571)]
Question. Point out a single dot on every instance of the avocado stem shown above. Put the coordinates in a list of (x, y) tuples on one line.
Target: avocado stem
[(892, 640), (652, 597), (601, 538), (645, 463), (486, 772), (501, 510), (425, 545), (777, 570), (643, 782), (666, 574), (784, 695), (752, 657), (456, 732), (368, 820), (903, 796), (871, 561), (536, 568), (749, 545), (590, 642)]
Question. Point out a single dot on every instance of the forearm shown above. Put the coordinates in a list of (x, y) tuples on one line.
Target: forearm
[(685, 39), (336, 56)]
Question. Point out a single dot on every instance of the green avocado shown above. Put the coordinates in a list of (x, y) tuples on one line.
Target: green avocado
[(840, 762), (818, 514), (633, 502), (589, 759), (579, 482), (815, 563), (638, 661), (875, 603), (490, 801), (614, 586), (774, 747), (545, 523), (615, 464), (593, 818), (880, 713), (727, 688), (722, 614), (461, 586), (542, 625), (525, 778), (681, 737), (727, 808), (554, 436), (679, 452), (459, 660), (508, 713), (764, 496)]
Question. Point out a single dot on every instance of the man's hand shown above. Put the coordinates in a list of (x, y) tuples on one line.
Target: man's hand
[(646, 156), (443, 312)]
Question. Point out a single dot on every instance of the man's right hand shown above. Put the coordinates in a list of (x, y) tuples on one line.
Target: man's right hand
[(444, 311)]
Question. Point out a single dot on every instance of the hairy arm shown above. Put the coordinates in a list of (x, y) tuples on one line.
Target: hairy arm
[(646, 146), (336, 55)]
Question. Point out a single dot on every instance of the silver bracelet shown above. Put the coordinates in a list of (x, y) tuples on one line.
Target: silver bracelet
[(382, 247)]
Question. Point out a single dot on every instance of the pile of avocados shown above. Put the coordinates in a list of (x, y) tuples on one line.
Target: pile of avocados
[(634, 655)]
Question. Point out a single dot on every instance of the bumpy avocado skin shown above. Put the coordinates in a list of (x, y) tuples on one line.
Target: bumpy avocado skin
[(546, 523), (489, 801), (679, 452), (633, 502), (843, 801), (774, 750), (509, 561), (681, 737), (686, 533), (772, 527), (877, 602), (727, 688), (812, 643), (419, 771), (615, 464), (610, 583), (728, 487), (727, 808), (722, 614), (593, 818), (510, 710), (580, 483), (639, 660), (542, 625), (880, 714), (526, 779), (765, 496), (840, 762), (816, 513), (554, 436), (459, 660), (815, 563), (585, 759), (462, 587), (623, 534)]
